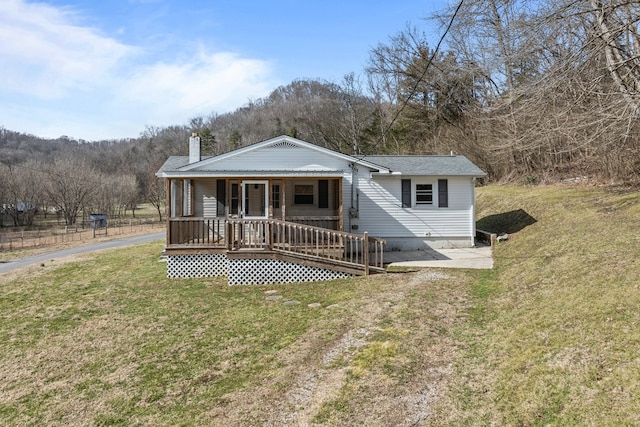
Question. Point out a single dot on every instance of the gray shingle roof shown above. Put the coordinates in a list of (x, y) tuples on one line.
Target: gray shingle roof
[(406, 165), (428, 165), (173, 163)]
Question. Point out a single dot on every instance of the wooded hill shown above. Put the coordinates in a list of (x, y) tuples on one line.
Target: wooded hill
[(529, 91)]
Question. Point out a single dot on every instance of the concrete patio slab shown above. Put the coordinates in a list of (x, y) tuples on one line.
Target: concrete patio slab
[(479, 257)]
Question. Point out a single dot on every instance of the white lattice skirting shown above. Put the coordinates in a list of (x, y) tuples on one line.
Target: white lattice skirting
[(200, 265), (247, 271), (267, 271)]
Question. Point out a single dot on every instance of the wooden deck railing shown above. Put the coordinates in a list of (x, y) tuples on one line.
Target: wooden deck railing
[(316, 243), (194, 231), (320, 243), (330, 222)]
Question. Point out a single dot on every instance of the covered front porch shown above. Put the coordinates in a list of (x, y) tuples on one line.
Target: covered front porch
[(314, 201), (290, 220)]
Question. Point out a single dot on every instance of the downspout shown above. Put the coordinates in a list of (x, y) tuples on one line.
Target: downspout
[(473, 212), (352, 208)]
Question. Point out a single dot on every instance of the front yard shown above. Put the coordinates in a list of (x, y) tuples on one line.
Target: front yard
[(548, 337)]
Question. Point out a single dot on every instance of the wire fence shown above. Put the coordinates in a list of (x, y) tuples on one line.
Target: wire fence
[(83, 231)]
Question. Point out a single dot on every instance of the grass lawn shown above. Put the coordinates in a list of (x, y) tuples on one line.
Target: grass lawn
[(549, 337), (110, 340), (557, 328)]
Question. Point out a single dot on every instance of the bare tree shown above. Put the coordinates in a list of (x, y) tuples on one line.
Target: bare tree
[(22, 192), (155, 191), (69, 185)]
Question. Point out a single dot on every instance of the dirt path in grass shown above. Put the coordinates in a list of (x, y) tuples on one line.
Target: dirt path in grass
[(316, 376)]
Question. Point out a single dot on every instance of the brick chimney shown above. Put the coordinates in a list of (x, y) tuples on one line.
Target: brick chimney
[(194, 148)]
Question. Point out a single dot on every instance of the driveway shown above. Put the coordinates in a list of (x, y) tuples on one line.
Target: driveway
[(6, 266)]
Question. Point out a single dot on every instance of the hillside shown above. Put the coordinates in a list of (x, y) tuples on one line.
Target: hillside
[(549, 337), (554, 332)]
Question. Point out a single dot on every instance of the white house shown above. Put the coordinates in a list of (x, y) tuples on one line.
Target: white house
[(248, 204)]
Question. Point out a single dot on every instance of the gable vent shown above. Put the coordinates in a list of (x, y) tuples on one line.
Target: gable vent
[(284, 144)]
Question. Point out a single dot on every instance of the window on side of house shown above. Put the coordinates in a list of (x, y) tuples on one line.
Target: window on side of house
[(443, 193), (303, 194), (406, 193), (424, 194)]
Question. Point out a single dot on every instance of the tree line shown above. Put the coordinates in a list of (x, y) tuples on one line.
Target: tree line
[(529, 91)]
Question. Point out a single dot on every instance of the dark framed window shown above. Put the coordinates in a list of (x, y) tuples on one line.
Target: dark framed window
[(303, 194), (275, 196), (443, 193), (406, 193), (424, 194), (221, 196), (234, 198), (323, 193)]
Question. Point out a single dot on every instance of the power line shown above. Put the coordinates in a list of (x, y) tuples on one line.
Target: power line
[(424, 73)]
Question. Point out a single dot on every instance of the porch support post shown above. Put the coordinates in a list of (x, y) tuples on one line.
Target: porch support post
[(227, 193), (241, 212), (365, 253), (192, 197), (167, 208), (283, 190), (270, 204), (340, 207)]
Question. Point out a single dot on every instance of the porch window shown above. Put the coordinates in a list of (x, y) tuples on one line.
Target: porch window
[(424, 194), (323, 193), (221, 196), (303, 194), (234, 198), (275, 196)]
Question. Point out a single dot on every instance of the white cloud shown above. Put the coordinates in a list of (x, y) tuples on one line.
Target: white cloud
[(64, 77), (200, 84), (46, 55)]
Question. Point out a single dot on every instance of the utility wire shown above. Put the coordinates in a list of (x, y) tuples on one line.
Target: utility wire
[(424, 73)]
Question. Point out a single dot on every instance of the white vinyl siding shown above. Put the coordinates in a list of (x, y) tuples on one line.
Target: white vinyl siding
[(205, 198), (381, 212)]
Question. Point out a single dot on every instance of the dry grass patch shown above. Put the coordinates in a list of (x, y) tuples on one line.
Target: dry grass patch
[(557, 331), (111, 341), (549, 337)]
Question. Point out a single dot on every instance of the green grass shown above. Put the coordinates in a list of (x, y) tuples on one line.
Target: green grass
[(112, 341), (550, 336), (555, 333)]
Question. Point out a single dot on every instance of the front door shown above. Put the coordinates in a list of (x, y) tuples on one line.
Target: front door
[(256, 199)]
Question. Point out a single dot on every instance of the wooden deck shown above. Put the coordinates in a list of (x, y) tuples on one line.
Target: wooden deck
[(355, 253)]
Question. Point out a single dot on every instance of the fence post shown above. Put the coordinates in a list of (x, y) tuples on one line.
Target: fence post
[(365, 253)]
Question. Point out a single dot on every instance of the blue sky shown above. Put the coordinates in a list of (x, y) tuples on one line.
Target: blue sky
[(106, 69)]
